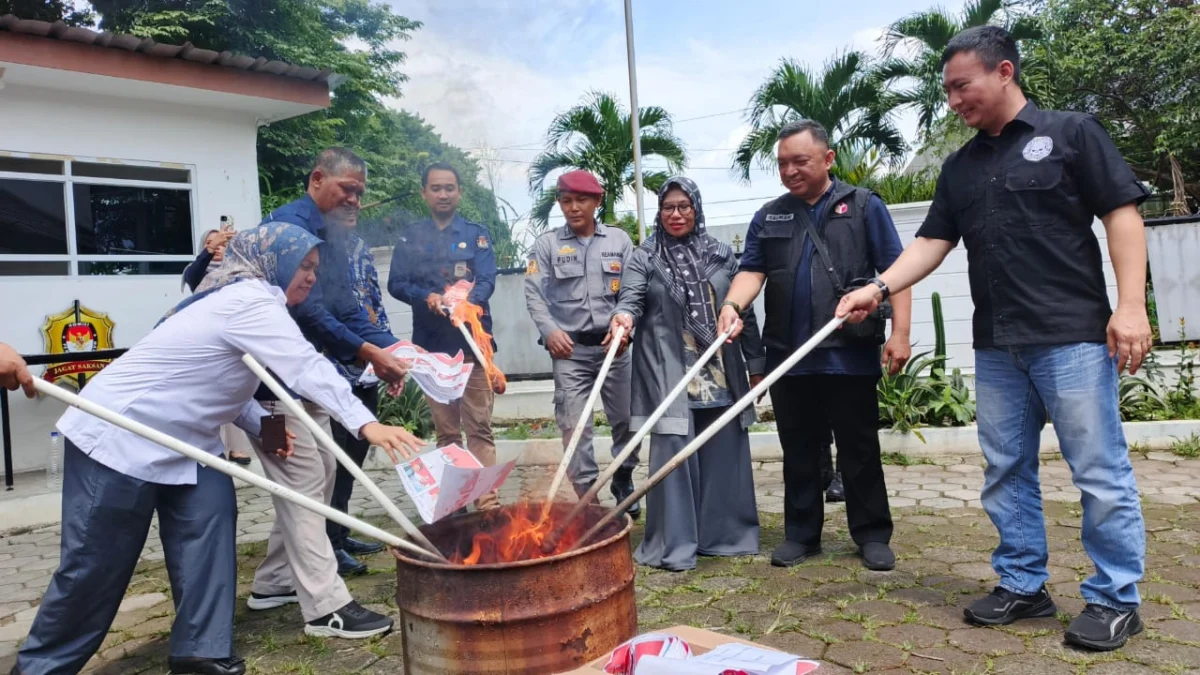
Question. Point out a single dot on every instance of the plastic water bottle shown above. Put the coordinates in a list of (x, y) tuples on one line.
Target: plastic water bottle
[(54, 467)]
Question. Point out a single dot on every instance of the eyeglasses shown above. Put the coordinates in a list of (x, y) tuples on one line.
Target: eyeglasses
[(668, 209)]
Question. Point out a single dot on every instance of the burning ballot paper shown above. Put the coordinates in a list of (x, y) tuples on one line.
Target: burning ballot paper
[(469, 317), (441, 376), (443, 480)]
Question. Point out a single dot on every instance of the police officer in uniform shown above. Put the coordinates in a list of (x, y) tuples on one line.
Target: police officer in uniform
[(808, 247), (571, 286), (1022, 195), (430, 255)]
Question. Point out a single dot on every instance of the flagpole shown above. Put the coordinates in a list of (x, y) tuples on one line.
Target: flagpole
[(633, 116)]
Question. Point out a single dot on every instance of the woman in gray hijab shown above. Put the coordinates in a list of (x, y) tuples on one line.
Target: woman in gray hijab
[(670, 290)]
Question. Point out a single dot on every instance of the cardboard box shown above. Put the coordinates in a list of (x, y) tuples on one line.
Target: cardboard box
[(698, 639)]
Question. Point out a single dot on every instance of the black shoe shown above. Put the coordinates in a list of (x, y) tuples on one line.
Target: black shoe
[(356, 547), (790, 553), (621, 487), (1103, 628), (230, 666), (877, 556), (347, 565), (1003, 607), (258, 601), (836, 492), (351, 622)]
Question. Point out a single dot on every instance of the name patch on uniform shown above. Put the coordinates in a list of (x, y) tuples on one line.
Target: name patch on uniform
[(460, 269), (772, 217), (1038, 148), (614, 284), (531, 268), (566, 250), (841, 209), (614, 266), (481, 242), (610, 254)]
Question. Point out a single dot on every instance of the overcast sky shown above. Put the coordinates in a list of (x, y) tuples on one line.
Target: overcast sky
[(493, 73)]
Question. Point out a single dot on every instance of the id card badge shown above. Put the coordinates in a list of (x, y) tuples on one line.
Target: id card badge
[(460, 270)]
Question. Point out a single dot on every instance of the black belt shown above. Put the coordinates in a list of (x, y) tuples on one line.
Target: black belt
[(592, 339)]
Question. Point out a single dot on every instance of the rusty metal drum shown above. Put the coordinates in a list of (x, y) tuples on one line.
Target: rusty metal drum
[(546, 615)]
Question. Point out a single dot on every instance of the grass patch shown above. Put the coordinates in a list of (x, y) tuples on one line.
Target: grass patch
[(1187, 447)]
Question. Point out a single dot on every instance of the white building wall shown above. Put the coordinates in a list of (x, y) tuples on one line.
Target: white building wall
[(219, 147)]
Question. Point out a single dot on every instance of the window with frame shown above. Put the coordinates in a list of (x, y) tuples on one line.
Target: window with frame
[(74, 217)]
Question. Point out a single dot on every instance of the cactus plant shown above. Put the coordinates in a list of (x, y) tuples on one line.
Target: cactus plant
[(939, 329)]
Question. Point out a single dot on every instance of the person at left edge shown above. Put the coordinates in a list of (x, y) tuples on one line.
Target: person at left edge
[(431, 255), (571, 285), (300, 565), (185, 378)]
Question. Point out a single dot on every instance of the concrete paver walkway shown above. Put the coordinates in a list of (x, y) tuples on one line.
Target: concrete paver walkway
[(831, 608)]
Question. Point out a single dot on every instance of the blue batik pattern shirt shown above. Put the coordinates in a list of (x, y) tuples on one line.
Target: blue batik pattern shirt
[(364, 282)]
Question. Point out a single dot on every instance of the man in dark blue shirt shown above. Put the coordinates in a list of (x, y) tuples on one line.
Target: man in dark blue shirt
[(808, 247), (430, 256)]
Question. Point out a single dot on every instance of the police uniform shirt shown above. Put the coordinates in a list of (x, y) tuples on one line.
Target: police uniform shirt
[(571, 285), (1023, 203), (426, 260)]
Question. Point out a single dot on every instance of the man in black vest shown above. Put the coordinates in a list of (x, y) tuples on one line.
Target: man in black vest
[(809, 247), (1023, 196)]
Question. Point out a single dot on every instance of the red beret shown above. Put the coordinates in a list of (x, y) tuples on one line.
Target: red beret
[(580, 181)]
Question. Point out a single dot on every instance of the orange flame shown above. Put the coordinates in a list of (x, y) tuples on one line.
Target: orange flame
[(472, 315), (516, 532)]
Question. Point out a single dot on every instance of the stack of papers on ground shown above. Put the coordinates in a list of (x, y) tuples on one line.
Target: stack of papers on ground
[(443, 480), (728, 659), (441, 376)]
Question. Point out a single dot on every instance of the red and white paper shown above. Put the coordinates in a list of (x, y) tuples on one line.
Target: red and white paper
[(442, 376), (443, 480)]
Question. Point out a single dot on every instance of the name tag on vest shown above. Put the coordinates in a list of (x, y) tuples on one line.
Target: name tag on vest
[(772, 217)]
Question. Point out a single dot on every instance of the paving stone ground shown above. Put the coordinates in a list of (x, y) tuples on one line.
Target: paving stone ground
[(830, 608)]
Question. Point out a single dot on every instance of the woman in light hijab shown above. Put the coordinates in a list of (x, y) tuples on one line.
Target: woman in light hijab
[(185, 378), (212, 252), (671, 289)]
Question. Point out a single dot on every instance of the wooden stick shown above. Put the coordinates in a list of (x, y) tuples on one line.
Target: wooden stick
[(733, 411), (552, 540), (227, 468), (329, 444), (588, 407)]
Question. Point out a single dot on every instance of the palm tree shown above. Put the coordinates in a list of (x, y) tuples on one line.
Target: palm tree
[(597, 136), (843, 98), (929, 32)]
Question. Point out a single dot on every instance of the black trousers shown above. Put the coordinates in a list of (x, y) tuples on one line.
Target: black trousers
[(105, 521), (356, 448), (806, 406)]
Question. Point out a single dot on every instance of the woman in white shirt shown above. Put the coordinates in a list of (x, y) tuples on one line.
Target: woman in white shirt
[(185, 378)]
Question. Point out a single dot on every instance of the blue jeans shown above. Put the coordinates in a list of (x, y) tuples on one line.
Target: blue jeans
[(1076, 384)]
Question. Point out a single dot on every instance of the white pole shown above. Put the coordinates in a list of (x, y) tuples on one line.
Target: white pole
[(552, 540), (329, 444), (588, 407), (633, 117), (227, 468), (734, 410)]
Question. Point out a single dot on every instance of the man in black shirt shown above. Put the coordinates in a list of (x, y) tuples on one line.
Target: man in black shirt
[(1022, 195)]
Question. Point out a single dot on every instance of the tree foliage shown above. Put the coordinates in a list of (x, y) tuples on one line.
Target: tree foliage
[(48, 10), (1132, 64), (843, 97), (597, 136)]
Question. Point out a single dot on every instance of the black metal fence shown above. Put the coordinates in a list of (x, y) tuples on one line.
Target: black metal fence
[(43, 360)]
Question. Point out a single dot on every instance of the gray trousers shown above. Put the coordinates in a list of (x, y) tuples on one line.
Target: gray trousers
[(105, 520), (573, 381), (299, 555)]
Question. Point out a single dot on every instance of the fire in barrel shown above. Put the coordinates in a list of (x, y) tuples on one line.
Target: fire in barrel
[(503, 606)]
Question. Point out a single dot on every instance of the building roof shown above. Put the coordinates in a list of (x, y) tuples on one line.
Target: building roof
[(186, 52)]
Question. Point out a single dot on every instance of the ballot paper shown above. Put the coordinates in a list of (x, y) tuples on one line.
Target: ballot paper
[(443, 480), (441, 376), (729, 659)]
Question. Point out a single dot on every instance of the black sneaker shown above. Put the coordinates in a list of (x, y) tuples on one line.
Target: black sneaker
[(356, 547), (258, 601), (621, 487), (791, 553), (836, 492), (1103, 628), (1003, 607), (352, 622)]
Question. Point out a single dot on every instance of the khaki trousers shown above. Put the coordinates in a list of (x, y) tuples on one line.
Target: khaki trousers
[(473, 414), (299, 555)]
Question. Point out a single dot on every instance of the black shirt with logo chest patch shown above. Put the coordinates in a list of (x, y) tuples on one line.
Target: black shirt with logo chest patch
[(1023, 204)]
